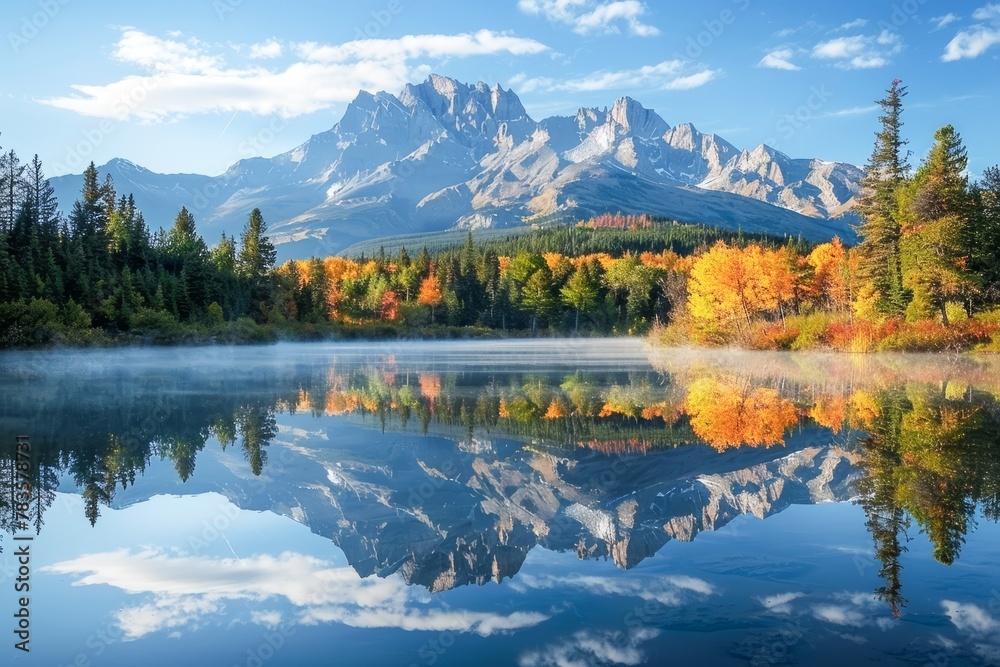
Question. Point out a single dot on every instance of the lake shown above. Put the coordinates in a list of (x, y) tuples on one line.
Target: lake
[(534, 503)]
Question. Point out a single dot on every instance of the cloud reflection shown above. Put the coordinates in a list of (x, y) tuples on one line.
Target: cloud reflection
[(186, 590), (592, 648)]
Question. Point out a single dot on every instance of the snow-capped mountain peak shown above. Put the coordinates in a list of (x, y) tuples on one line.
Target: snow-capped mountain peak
[(444, 154)]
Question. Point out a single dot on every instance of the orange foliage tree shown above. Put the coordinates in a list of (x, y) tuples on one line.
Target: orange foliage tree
[(430, 292), (726, 412)]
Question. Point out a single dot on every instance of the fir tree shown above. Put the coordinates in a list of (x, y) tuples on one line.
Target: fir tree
[(880, 228), (934, 216)]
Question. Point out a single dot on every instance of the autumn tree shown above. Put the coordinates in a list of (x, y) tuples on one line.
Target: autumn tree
[(829, 284), (726, 289), (730, 412), (777, 276), (430, 292)]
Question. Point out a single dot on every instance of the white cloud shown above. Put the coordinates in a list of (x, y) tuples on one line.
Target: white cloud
[(860, 51), (841, 47), (856, 23), (970, 43), (692, 81), (943, 21), (851, 609), (667, 75), (183, 78), (589, 647), (839, 615), (975, 40), (780, 603), (268, 618), (410, 47), (670, 590), (852, 111), (164, 55), (987, 13), (980, 628), (780, 59), (971, 619), (266, 50), (584, 16), (184, 590)]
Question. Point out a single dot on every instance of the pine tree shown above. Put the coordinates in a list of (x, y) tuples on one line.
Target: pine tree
[(225, 291), (880, 228), (489, 278), (11, 189), (934, 214), (984, 236), (88, 230), (257, 254), (537, 297), (40, 194), (253, 263)]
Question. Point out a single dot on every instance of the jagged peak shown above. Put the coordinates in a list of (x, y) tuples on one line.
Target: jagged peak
[(685, 136), (631, 116), (446, 97), (444, 86), (763, 150)]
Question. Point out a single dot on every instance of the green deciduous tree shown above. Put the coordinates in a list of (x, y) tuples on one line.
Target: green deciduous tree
[(582, 291)]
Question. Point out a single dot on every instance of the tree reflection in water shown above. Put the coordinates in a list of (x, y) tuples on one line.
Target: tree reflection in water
[(925, 441)]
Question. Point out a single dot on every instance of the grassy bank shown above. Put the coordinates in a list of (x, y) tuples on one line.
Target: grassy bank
[(838, 332)]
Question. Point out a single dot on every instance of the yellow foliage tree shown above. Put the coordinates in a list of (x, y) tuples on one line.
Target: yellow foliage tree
[(430, 293), (830, 273), (726, 287), (728, 412)]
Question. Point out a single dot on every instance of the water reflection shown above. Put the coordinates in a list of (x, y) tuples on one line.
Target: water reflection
[(604, 462)]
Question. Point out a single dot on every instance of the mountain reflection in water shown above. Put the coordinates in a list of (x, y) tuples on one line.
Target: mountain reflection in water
[(602, 456)]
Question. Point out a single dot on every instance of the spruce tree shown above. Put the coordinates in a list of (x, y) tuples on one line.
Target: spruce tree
[(11, 189), (984, 237), (253, 265), (879, 229), (934, 217), (257, 254)]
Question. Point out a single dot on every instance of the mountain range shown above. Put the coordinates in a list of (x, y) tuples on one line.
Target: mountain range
[(443, 155)]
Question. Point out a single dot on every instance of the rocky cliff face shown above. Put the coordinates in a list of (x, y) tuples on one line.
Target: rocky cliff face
[(443, 154)]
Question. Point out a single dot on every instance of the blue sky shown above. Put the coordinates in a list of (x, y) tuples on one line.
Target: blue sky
[(194, 85)]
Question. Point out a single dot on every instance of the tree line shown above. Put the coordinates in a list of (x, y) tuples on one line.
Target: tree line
[(101, 269)]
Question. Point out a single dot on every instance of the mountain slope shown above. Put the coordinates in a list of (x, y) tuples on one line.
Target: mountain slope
[(443, 154)]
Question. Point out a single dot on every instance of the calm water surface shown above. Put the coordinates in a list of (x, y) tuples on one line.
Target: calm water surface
[(532, 503)]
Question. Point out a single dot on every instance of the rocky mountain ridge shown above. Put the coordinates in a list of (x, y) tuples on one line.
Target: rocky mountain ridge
[(442, 154)]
